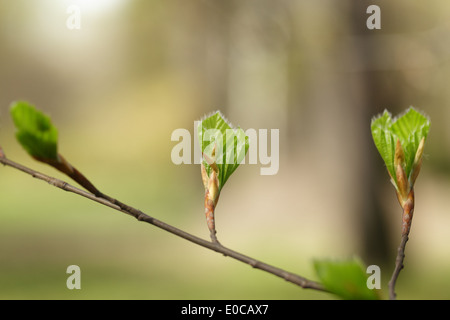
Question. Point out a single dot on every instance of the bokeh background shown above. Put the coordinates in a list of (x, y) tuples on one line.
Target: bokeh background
[(137, 70)]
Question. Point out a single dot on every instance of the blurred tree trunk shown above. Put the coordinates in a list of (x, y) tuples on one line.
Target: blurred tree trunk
[(373, 230)]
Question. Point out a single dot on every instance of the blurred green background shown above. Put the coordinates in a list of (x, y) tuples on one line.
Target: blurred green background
[(137, 70)]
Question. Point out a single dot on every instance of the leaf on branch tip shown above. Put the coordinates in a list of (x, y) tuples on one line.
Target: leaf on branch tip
[(35, 131), (223, 147), (347, 279), (403, 136)]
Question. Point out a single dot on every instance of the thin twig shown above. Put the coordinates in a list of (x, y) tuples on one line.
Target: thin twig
[(408, 211), (398, 267), (141, 216)]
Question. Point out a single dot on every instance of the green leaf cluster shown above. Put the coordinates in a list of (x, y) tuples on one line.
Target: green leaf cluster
[(35, 131), (230, 145), (408, 128)]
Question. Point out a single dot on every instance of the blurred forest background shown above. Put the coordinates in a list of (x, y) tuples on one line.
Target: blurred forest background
[(137, 70)]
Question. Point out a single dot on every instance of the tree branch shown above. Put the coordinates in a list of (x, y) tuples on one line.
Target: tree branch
[(408, 211), (141, 216), (398, 266)]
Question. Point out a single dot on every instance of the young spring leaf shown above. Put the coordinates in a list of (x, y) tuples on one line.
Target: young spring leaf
[(39, 138), (222, 146), (411, 131), (35, 131), (346, 279), (384, 139)]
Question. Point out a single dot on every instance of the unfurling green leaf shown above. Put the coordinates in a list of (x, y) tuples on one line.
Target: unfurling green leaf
[(400, 142), (347, 279), (223, 146), (35, 131), (39, 138), (384, 140), (410, 129)]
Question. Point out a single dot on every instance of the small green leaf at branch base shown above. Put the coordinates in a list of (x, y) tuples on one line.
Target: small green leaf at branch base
[(35, 131), (346, 279)]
